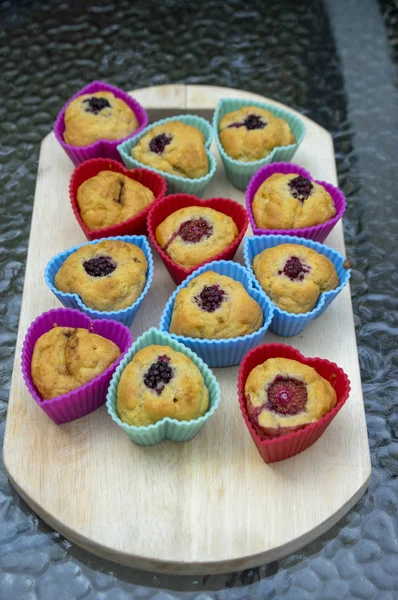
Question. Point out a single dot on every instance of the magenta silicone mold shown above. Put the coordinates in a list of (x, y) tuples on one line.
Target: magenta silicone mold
[(318, 233), (83, 400), (101, 148)]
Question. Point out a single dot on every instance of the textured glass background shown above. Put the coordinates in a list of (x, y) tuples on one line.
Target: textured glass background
[(334, 60)]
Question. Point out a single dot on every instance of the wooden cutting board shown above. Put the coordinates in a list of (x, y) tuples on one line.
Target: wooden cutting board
[(210, 505)]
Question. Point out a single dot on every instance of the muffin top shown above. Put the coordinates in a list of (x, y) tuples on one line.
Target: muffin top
[(291, 201), (160, 382), (215, 306), (283, 395), (107, 276), (98, 116), (251, 133), (66, 358), (193, 235), (110, 198), (294, 276), (174, 148)]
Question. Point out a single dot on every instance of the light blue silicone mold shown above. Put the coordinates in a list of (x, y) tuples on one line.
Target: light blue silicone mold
[(284, 323), (170, 429), (238, 172), (175, 184), (126, 315), (222, 352)]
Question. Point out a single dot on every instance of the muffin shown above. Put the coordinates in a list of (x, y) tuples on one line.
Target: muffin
[(294, 276), (283, 395), (290, 201), (107, 276), (66, 358), (110, 198), (251, 133), (195, 234), (174, 147), (98, 116), (215, 306), (160, 382)]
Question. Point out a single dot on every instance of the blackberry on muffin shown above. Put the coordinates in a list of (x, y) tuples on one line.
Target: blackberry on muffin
[(66, 358), (291, 201), (214, 306), (110, 198), (175, 148), (98, 116), (251, 133), (195, 234), (160, 382), (294, 276), (283, 395), (107, 276)]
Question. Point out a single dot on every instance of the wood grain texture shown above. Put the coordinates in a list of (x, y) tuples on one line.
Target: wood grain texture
[(209, 505)]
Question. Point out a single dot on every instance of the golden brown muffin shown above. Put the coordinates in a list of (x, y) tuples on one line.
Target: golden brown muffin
[(174, 148), (110, 198), (215, 306), (251, 133), (193, 235), (66, 358), (294, 276), (107, 276), (98, 116), (160, 382), (283, 395), (291, 201)]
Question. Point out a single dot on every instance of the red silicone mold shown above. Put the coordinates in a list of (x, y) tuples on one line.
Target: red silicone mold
[(165, 207), (134, 226), (285, 446)]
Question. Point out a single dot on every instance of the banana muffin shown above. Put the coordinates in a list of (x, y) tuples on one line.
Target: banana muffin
[(294, 276), (215, 306), (251, 133), (175, 148), (160, 382), (110, 198), (291, 201), (66, 358), (283, 395), (195, 234), (107, 276), (98, 116)]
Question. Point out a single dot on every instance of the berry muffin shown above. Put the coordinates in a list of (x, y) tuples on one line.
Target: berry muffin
[(283, 395), (175, 148), (98, 116), (160, 382), (294, 276), (251, 133), (290, 201), (66, 358), (215, 306), (195, 234), (110, 198), (107, 276)]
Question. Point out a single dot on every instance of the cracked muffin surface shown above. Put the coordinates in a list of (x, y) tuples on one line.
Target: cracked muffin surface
[(66, 358)]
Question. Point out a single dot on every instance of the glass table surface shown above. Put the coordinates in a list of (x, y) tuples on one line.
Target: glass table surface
[(333, 60)]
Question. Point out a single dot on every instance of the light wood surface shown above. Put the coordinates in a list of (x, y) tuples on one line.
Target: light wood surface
[(209, 505)]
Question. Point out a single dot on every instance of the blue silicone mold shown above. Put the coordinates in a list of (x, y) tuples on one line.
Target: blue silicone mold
[(222, 352), (284, 323), (125, 315)]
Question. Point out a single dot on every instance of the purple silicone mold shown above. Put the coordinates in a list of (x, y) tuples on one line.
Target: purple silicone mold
[(101, 148), (90, 396), (318, 233)]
